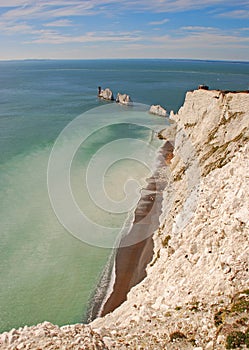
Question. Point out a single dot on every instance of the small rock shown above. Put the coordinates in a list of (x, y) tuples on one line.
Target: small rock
[(12, 338), (209, 346), (20, 346), (220, 339), (108, 341), (4, 338)]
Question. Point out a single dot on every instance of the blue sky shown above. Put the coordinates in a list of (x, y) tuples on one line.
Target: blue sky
[(82, 29)]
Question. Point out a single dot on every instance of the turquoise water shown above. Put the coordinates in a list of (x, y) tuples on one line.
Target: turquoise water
[(45, 272)]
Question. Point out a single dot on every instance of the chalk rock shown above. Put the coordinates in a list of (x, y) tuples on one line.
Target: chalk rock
[(205, 214), (106, 94), (158, 110), (123, 99), (168, 133)]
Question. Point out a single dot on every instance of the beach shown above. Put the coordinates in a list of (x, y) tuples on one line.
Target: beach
[(132, 259)]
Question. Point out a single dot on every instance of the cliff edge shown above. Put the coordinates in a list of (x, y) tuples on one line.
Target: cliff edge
[(201, 257), (196, 293)]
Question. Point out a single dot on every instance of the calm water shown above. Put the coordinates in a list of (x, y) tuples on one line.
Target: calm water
[(45, 272)]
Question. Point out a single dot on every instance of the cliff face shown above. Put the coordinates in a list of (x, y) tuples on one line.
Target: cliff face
[(196, 293), (201, 257)]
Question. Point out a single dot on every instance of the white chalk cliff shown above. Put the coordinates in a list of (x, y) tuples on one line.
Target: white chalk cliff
[(196, 293)]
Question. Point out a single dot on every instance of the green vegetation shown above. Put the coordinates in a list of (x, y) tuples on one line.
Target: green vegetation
[(241, 304), (235, 340), (232, 321), (247, 338)]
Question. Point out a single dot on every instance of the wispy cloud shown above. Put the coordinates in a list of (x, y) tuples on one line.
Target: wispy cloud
[(164, 6), (62, 8), (159, 23), (194, 37), (197, 29), (47, 10), (52, 37), (203, 37), (240, 14), (13, 3), (18, 28), (59, 23), (103, 23), (214, 44)]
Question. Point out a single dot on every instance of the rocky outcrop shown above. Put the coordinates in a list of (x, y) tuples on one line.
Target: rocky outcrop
[(123, 99), (196, 293), (106, 94), (158, 110)]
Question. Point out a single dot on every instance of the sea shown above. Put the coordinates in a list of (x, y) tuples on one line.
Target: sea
[(60, 143)]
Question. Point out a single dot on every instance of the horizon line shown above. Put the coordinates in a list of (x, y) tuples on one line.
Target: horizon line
[(119, 58)]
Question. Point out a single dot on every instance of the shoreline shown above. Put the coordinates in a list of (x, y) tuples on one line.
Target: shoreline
[(130, 261)]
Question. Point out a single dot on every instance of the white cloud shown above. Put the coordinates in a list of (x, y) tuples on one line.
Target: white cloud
[(13, 3), (52, 37), (176, 5), (20, 13), (188, 37), (43, 22), (59, 23), (203, 39), (52, 9), (198, 29), (212, 45), (45, 9), (240, 14), (158, 23)]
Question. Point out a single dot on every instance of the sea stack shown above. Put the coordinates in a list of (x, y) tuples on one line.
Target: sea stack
[(123, 99), (105, 94), (158, 110)]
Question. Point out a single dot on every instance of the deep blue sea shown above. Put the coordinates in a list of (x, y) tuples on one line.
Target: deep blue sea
[(47, 272)]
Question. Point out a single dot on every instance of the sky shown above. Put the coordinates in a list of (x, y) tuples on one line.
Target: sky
[(86, 29)]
